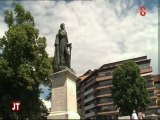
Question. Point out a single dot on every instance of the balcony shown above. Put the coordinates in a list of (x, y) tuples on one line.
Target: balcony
[(88, 91), (153, 103), (89, 107), (157, 78), (146, 74), (104, 100), (152, 94), (153, 97), (105, 73), (89, 99), (103, 91), (78, 91), (110, 86), (104, 95), (105, 83), (108, 113), (150, 84), (103, 104), (89, 114), (92, 81), (157, 92), (106, 108), (104, 78), (146, 70), (151, 88)]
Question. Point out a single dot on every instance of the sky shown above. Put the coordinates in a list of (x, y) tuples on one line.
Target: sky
[(101, 31)]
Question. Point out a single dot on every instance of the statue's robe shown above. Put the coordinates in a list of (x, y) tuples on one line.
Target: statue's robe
[(61, 55), (56, 60)]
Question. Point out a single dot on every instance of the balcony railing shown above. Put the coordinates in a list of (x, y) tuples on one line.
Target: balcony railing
[(104, 100), (105, 83), (146, 70), (89, 114), (106, 108), (89, 107), (88, 99), (88, 91), (153, 103), (150, 84), (92, 81), (151, 94), (105, 91)]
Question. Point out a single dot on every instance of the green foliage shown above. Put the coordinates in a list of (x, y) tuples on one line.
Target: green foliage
[(129, 88), (24, 63), (49, 84)]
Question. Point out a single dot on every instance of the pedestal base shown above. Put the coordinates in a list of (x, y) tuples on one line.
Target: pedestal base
[(64, 101), (63, 115)]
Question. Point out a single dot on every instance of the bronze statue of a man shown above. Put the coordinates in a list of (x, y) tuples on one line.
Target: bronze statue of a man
[(62, 55)]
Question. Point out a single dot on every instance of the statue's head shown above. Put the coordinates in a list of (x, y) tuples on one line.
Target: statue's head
[(62, 26)]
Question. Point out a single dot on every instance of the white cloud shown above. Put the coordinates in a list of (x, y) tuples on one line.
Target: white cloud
[(47, 103), (3, 26), (101, 31)]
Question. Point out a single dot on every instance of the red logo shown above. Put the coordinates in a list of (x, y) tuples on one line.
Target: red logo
[(142, 11), (16, 106)]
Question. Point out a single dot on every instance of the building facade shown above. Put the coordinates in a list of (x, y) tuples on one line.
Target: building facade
[(157, 91), (94, 90)]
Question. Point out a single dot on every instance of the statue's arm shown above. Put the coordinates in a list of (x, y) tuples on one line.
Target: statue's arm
[(68, 44), (66, 37)]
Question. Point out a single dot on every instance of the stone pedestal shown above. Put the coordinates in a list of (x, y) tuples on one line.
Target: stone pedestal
[(64, 101)]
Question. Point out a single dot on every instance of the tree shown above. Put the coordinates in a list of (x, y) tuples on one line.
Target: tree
[(49, 84), (24, 63), (129, 88)]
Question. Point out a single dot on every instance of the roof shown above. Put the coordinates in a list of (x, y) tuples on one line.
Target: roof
[(89, 73), (83, 77), (118, 62)]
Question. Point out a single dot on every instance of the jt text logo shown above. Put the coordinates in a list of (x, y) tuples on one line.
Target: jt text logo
[(16, 106)]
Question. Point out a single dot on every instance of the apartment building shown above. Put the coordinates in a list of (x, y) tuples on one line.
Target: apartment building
[(157, 91), (94, 90)]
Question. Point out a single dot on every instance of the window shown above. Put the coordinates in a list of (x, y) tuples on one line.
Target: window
[(88, 85), (104, 100), (91, 79), (103, 91), (144, 65), (89, 111), (107, 108), (105, 73), (148, 78), (150, 111), (157, 86), (151, 93), (105, 83), (153, 102), (89, 95), (89, 103), (150, 84)]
